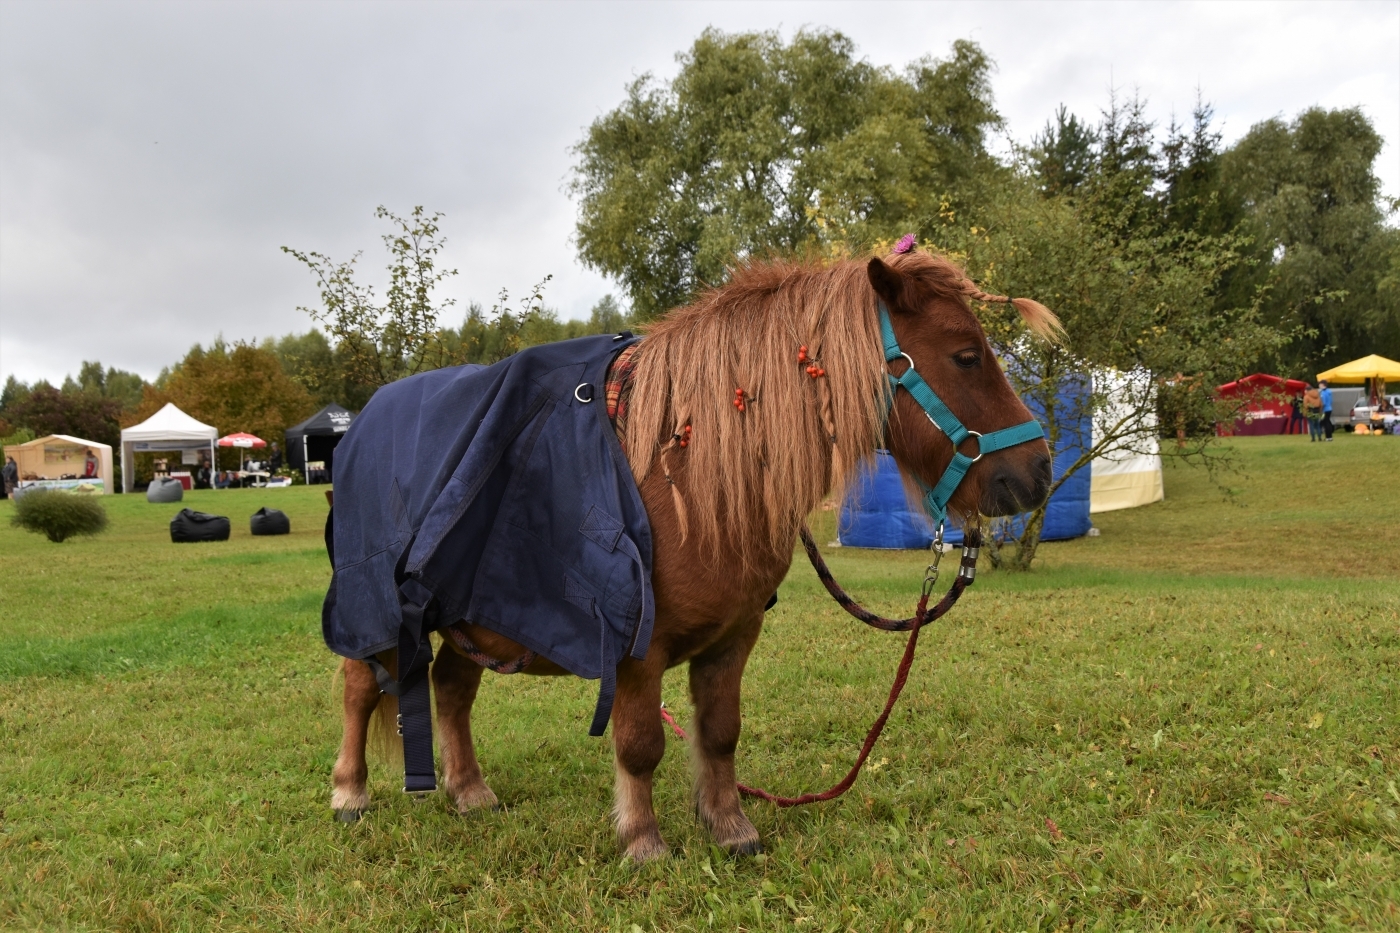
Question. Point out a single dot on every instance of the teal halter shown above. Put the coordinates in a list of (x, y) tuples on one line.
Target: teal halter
[(936, 499)]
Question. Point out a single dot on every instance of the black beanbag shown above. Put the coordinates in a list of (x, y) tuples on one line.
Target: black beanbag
[(198, 526), (267, 521)]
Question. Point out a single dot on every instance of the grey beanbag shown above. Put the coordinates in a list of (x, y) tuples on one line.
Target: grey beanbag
[(165, 490), (198, 526), (267, 521)]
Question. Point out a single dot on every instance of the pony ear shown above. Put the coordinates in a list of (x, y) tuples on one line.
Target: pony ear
[(888, 283)]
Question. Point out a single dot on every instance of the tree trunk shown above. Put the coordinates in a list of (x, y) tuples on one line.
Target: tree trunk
[(1029, 539)]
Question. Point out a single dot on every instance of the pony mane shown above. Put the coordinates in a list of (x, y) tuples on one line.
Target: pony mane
[(747, 479)]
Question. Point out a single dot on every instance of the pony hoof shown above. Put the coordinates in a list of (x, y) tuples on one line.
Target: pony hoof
[(645, 850), (748, 847), (479, 797), (349, 816)]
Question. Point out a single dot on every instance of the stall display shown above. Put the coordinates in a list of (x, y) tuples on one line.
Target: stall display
[(60, 461), (311, 444), (1375, 411), (168, 430), (1267, 405)]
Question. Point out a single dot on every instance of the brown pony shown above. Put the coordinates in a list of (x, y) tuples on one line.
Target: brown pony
[(725, 506)]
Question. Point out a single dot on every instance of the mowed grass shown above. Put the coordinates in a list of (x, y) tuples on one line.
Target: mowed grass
[(1191, 721)]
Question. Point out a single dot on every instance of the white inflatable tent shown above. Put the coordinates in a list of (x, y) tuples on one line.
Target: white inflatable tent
[(1126, 479), (168, 430)]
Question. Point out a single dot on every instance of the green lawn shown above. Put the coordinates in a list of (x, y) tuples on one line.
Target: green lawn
[(1202, 702)]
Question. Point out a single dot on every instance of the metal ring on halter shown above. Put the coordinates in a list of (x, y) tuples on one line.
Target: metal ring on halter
[(976, 434), (907, 357), (580, 387)]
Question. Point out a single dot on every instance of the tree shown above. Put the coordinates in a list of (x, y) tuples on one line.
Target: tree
[(1147, 337), (382, 343), (759, 147), (46, 410), (309, 360), (113, 383), (1062, 155), (238, 388), (487, 337), (14, 393), (607, 318), (1313, 205)]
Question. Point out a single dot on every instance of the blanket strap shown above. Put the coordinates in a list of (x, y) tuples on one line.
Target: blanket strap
[(417, 609)]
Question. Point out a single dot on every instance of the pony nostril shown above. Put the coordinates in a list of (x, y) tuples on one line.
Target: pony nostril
[(1043, 471)]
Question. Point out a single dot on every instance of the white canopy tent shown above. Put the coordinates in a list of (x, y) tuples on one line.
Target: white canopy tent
[(168, 430)]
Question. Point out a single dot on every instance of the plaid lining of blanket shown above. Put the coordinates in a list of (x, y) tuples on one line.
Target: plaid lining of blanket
[(619, 386)]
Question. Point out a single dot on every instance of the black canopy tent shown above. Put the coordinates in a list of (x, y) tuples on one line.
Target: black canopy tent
[(314, 440)]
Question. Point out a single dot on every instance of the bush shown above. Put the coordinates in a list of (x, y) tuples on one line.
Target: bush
[(59, 515)]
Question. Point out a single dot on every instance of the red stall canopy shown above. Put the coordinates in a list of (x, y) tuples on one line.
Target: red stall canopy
[(1267, 399)]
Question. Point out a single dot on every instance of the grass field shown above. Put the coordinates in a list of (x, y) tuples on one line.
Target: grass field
[(1191, 721)]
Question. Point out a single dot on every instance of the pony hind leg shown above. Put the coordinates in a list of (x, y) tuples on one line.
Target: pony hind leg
[(350, 796), (714, 686), (455, 683), (638, 745)]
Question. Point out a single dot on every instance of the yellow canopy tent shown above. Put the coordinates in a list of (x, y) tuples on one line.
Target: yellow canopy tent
[(1358, 371)]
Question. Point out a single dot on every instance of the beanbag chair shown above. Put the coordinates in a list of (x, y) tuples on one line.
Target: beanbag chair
[(267, 521), (167, 489), (198, 526)]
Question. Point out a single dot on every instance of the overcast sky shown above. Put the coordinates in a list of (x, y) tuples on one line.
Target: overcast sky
[(153, 157)]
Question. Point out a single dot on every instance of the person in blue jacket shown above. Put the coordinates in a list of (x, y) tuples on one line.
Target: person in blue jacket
[(1326, 394)]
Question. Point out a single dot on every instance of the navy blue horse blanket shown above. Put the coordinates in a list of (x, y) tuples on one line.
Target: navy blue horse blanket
[(498, 495)]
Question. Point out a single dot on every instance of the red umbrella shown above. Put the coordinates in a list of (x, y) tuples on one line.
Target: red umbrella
[(241, 440)]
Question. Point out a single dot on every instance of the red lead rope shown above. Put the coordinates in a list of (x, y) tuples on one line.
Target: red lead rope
[(921, 616)]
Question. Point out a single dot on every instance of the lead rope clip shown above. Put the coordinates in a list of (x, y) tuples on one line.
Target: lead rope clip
[(931, 572)]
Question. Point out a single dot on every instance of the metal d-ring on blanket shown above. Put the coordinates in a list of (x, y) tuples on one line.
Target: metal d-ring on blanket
[(579, 388)]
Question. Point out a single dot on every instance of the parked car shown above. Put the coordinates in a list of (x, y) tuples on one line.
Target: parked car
[(1344, 402)]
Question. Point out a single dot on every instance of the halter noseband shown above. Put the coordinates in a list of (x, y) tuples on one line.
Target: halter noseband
[(936, 499)]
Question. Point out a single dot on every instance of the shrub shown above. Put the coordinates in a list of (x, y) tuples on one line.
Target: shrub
[(59, 515)]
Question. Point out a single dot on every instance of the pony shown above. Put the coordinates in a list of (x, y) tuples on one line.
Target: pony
[(745, 409)]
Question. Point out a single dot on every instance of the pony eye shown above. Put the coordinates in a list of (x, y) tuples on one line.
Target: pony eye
[(966, 360)]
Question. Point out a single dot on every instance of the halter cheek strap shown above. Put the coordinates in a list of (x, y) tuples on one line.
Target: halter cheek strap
[(936, 499)]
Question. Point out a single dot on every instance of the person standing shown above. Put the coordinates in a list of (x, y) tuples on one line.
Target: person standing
[(1295, 416), (1312, 408), (11, 477), (1325, 395), (275, 458)]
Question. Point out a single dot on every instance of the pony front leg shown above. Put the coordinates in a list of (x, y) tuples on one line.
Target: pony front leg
[(455, 682), (350, 797), (638, 744), (714, 686)]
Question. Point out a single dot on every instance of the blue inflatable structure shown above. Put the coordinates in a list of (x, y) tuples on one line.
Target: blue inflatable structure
[(878, 514)]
